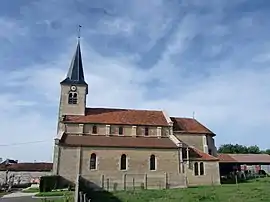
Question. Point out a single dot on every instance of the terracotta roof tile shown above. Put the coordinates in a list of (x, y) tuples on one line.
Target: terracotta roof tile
[(244, 158), (129, 142), (226, 158), (120, 116), (31, 167), (203, 156), (117, 141), (189, 125)]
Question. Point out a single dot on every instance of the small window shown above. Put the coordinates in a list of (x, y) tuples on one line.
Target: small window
[(120, 131), (94, 130), (72, 98), (210, 151), (196, 169), (111, 130), (201, 168), (146, 131), (93, 161), (152, 162), (123, 164)]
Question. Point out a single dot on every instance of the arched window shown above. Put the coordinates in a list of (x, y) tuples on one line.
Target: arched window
[(93, 161), (201, 168), (120, 130), (94, 129), (196, 169), (72, 98), (152, 162), (123, 163)]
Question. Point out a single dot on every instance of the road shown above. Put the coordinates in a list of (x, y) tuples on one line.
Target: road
[(19, 199)]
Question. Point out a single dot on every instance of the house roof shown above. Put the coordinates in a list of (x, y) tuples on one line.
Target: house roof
[(226, 158), (202, 155), (117, 141), (120, 116), (189, 125), (31, 167), (244, 158), (128, 142)]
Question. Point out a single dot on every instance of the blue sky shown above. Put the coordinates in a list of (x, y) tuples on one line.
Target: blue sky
[(211, 57)]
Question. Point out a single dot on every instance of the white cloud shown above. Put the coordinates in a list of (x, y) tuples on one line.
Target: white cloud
[(229, 99), (11, 29)]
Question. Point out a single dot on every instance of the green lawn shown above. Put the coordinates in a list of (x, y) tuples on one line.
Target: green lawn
[(253, 191), (31, 190)]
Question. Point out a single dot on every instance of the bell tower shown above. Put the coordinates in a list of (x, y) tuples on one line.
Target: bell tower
[(74, 88)]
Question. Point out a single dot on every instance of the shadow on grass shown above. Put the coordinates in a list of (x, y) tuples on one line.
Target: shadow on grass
[(241, 181), (96, 193), (97, 196)]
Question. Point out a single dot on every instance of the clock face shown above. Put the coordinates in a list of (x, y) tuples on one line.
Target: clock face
[(73, 88)]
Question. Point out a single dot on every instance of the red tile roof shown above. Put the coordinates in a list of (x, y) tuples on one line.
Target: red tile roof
[(117, 141), (120, 116), (244, 158), (30, 167), (203, 156), (226, 158), (128, 142), (189, 125)]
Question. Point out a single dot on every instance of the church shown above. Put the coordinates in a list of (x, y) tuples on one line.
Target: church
[(116, 148)]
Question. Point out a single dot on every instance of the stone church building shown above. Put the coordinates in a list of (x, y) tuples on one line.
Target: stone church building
[(113, 147)]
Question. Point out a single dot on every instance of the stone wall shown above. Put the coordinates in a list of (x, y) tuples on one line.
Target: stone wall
[(210, 177), (76, 160), (25, 177), (195, 140), (114, 130), (108, 167)]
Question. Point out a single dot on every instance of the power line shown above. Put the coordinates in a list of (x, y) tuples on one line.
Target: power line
[(23, 143)]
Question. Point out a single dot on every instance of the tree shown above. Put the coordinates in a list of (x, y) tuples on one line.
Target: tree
[(240, 149), (254, 150), (233, 149), (267, 151)]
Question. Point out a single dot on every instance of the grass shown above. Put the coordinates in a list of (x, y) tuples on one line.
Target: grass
[(253, 191), (2, 194), (55, 193), (31, 190), (257, 190)]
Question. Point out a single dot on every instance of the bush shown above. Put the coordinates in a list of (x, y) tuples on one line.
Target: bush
[(21, 186), (48, 183)]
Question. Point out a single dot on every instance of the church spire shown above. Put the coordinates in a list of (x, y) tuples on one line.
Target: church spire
[(75, 73)]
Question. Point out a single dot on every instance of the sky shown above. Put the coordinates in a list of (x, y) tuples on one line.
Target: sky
[(210, 57)]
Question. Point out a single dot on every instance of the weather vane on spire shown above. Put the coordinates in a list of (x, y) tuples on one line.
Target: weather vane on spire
[(79, 32)]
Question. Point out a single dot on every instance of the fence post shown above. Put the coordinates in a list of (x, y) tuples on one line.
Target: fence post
[(145, 181), (166, 180), (102, 181), (133, 183), (108, 184), (186, 179), (84, 198), (81, 196), (77, 188), (125, 181)]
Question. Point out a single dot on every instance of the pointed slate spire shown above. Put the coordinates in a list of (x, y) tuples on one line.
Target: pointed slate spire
[(75, 73)]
